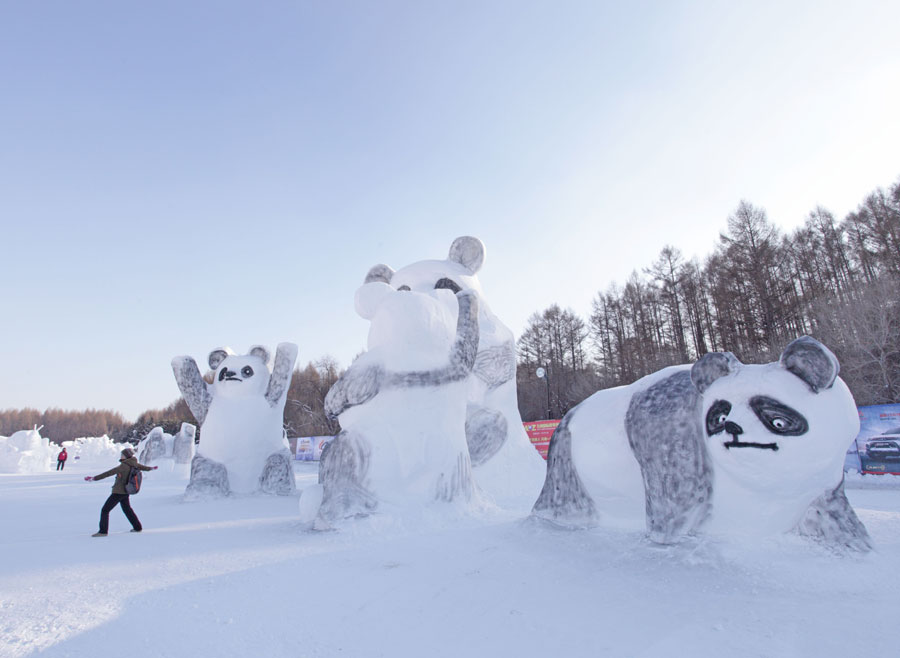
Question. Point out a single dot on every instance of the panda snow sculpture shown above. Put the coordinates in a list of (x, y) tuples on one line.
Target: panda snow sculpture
[(402, 407), (732, 449), (242, 445), (505, 464)]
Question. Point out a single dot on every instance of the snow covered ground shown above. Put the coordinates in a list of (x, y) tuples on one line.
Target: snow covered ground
[(241, 577)]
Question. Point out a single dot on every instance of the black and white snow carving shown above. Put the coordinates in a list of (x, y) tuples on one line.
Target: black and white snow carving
[(506, 466), (158, 445), (719, 447), (153, 446), (183, 444), (402, 407), (242, 445)]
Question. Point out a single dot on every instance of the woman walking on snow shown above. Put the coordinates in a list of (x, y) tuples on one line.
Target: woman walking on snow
[(119, 496), (61, 460)]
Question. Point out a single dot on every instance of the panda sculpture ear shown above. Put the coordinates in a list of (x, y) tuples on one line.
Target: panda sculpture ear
[(712, 366), (468, 252), (261, 352), (812, 362), (217, 356), (380, 272)]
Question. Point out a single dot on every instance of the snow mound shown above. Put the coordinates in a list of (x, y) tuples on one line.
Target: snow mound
[(94, 450), (26, 451)]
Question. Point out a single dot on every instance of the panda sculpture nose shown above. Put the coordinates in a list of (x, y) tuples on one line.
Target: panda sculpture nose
[(733, 428)]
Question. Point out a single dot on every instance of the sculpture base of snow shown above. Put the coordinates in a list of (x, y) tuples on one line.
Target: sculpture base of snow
[(242, 446), (719, 447), (402, 409), (505, 465), (27, 452)]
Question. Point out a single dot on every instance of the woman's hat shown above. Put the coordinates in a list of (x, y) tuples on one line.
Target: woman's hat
[(128, 453)]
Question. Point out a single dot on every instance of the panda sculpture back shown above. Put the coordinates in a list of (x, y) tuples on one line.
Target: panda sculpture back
[(242, 444), (722, 447)]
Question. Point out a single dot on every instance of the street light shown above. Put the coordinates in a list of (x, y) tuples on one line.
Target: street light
[(545, 375)]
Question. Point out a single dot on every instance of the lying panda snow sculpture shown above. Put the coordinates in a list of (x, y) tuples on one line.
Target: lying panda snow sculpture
[(505, 464), (732, 449), (402, 408), (242, 445)]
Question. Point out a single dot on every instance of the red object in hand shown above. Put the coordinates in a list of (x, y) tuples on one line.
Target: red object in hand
[(155, 467), (88, 478)]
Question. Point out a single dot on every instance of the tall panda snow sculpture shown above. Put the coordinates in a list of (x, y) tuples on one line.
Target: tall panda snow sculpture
[(242, 444), (727, 448), (505, 464), (401, 406)]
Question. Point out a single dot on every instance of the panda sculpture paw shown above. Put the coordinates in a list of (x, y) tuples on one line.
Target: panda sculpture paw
[(209, 479), (278, 475)]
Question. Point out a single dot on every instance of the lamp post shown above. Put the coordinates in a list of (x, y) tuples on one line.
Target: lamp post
[(545, 375)]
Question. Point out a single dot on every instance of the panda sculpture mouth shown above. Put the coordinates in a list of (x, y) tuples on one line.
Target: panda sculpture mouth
[(737, 443), (232, 379)]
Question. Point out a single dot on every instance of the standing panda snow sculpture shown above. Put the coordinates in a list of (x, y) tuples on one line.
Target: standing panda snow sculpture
[(732, 449), (505, 464), (242, 446), (154, 446), (402, 407)]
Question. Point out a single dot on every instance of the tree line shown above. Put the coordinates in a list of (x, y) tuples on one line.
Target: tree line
[(838, 281), (63, 425)]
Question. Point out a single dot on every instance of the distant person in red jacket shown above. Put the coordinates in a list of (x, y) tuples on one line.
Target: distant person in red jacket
[(119, 496), (61, 460)]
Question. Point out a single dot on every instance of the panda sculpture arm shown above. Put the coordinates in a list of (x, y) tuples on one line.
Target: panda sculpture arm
[(280, 379), (360, 384), (194, 390), (356, 386), (462, 354)]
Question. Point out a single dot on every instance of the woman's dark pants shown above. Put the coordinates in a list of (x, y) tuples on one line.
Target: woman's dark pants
[(111, 502)]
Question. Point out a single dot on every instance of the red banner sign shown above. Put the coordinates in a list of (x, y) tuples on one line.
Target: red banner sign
[(540, 431)]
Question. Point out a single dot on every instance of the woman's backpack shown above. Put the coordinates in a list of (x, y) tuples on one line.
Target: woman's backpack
[(133, 481)]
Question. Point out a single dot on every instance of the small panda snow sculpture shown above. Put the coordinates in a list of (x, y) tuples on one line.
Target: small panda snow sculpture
[(154, 446), (732, 449), (183, 444), (242, 444), (402, 407), (505, 464)]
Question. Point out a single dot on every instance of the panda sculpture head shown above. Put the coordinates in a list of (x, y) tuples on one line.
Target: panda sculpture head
[(413, 311), (782, 427), (237, 375)]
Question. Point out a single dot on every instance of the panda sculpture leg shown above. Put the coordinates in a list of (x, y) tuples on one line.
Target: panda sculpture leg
[(342, 473), (486, 431), (278, 475), (831, 520), (662, 426), (208, 478), (564, 498)]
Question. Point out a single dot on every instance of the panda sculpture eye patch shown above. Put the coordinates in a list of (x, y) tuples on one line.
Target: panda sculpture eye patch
[(777, 417), (716, 416), (449, 284)]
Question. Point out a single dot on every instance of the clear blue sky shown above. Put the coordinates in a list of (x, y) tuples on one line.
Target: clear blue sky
[(175, 176)]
